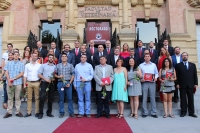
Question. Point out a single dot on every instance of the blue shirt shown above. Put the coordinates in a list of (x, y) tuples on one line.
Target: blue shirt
[(83, 70), (149, 68), (47, 70), (14, 68)]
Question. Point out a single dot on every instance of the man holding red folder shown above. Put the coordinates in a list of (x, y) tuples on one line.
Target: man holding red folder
[(103, 76)]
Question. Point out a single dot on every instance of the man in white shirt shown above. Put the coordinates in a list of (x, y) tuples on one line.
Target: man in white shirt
[(5, 55), (31, 81), (149, 68)]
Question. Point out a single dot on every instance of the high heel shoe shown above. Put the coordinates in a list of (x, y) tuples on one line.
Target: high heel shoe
[(121, 115), (132, 115), (136, 116), (118, 115)]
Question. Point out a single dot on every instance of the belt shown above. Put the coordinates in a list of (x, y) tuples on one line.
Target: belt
[(34, 81), (64, 80)]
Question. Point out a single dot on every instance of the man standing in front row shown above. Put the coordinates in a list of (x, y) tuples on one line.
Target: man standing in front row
[(31, 78), (14, 72), (46, 73), (103, 71), (186, 81), (82, 84), (65, 75), (149, 69)]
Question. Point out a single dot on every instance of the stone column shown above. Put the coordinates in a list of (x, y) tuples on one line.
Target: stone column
[(71, 15), (125, 14)]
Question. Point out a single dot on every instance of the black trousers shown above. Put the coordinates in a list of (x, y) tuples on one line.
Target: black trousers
[(103, 103), (176, 92), (43, 94), (187, 100)]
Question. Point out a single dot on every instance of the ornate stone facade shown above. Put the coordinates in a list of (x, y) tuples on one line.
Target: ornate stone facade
[(4, 4)]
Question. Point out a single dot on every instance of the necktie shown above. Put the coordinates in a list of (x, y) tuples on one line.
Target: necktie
[(140, 52), (76, 51), (108, 50), (151, 52), (91, 50), (185, 65), (101, 54)]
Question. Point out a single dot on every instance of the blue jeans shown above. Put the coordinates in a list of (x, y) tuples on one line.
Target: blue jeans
[(86, 90), (5, 99), (68, 92)]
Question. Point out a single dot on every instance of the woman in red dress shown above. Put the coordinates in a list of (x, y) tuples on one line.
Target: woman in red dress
[(125, 51), (163, 54)]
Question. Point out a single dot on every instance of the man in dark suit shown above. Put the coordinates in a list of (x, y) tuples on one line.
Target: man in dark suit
[(186, 81), (176, 58), (70, 56), (83, 51), (91, 49), (56, 51), (43, 52), (76, 49), (139, 52), (98, 54), (153, 53), (108, 50), (113, 58), (126, 60), (169, 48)]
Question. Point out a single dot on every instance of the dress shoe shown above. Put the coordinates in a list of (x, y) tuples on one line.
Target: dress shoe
[(79, 116), (27, 115), (193, 115), (182, 115), (7, 115), (36, 115), (50, 115), (40, 116), (108, 116), (154, 116), (144, 116), (97, 116), (61, 115), (19, 114), (88, 116), (72, 115)]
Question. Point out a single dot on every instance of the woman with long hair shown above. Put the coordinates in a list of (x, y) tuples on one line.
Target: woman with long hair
[(119, 93), (51, 51), (167, 76), (28, 49), (163, 54), (134, 86), (26, 57), (40, 59), (125, 51)]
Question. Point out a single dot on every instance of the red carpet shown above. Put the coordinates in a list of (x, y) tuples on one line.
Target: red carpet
[(94, 125)]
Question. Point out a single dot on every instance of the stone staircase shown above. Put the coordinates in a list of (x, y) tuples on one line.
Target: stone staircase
[(113, 106)]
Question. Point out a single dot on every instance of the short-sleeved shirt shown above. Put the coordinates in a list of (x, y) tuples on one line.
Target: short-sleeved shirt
[(5, 56), (66, 70), (47, 70), (14, 68)]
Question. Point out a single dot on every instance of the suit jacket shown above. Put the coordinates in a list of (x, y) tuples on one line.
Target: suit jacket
[(71, 58), (74, 52), (43, 53), (112, 61), (154, 57), (111, 51), (57, 53), (88, 50), (98, 75), (174, 61), (126, 61), (137, 55), (78, 58), (96, 58), (186, 78)]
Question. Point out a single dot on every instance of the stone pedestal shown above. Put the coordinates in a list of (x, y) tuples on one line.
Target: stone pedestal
[(126, 35), (69, 37)]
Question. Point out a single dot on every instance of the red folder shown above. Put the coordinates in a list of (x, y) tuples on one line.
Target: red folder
[(149, 77), (169, 74), (106, 80)]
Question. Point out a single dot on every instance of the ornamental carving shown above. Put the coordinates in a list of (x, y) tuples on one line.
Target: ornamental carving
[(50, 4), (194, 3), (147, 5), (4, 4)]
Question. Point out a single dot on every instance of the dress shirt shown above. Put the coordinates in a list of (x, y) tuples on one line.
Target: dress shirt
[(14, 68), (178, 58), (149, 68), (103, 70), (83, 70), (46, 70), (5, 56), (186, 63), (66, 70), (40, 49), (116, 57), (100, 54), (166, 47), (31, 71)]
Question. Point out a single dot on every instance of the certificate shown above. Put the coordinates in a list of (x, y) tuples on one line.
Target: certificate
[(106, 80), (169, 74), (149, 77)]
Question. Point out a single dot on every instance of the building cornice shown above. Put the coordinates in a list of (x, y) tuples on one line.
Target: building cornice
[(4, 4)]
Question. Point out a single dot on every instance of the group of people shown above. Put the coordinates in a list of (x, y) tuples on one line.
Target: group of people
[(119, 76)]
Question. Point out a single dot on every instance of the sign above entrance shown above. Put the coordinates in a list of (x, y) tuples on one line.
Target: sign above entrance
[(97, 11), (98, 31)]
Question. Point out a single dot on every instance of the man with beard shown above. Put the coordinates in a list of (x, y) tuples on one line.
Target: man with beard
[(186, 81), (176, 58), (46, 73), (153, 53)]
